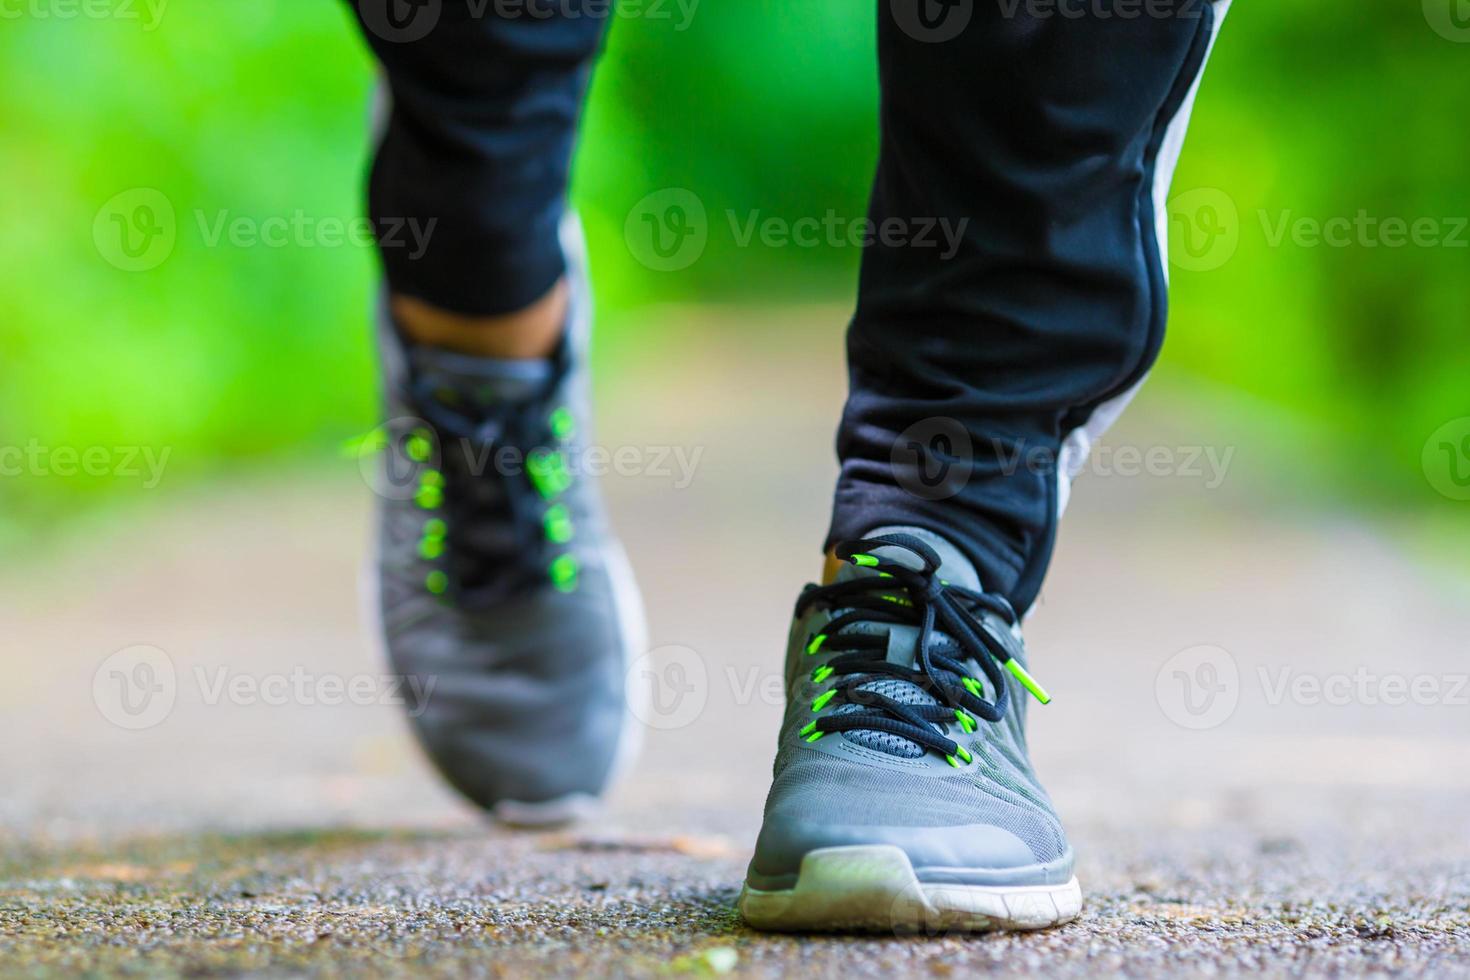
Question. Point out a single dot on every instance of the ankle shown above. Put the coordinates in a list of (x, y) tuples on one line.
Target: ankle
[(830, 566), (527, 334)]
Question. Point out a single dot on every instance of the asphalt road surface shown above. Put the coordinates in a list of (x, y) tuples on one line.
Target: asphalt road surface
[(1260, 739)]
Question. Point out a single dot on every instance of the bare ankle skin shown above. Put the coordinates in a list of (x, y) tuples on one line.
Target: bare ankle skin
[(830, 568), (526, 334)]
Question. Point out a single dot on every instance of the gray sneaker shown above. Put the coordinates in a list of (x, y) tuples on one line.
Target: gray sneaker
[(904, 798), (501, 588)]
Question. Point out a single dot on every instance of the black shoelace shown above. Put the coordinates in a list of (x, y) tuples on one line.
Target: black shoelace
[(502, 467), (950, 636)]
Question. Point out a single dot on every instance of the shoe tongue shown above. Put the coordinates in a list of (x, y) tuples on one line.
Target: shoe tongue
[(463, 381), (954, 567), (903, 641)]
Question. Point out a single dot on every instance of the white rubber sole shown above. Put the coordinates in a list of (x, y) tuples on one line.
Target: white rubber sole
[(874, 889), (572, 808)]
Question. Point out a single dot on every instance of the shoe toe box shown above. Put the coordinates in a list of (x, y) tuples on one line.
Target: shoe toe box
[(964, 828), (520, 705)]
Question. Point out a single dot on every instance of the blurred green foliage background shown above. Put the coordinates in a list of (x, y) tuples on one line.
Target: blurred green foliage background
[(1312, 110)]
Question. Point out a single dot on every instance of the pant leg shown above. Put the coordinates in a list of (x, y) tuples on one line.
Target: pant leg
[(1044, 142), (478, 140)]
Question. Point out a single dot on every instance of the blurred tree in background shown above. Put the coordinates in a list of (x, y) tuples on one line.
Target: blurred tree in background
[(1314, 114)]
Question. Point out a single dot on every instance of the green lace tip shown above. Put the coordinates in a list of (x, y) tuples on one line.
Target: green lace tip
[(822, 699), (966, 722), (866, 561), (965, 758), (437, 582), (810, 732), (821, 674), (1027, 681), (816, 644)]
